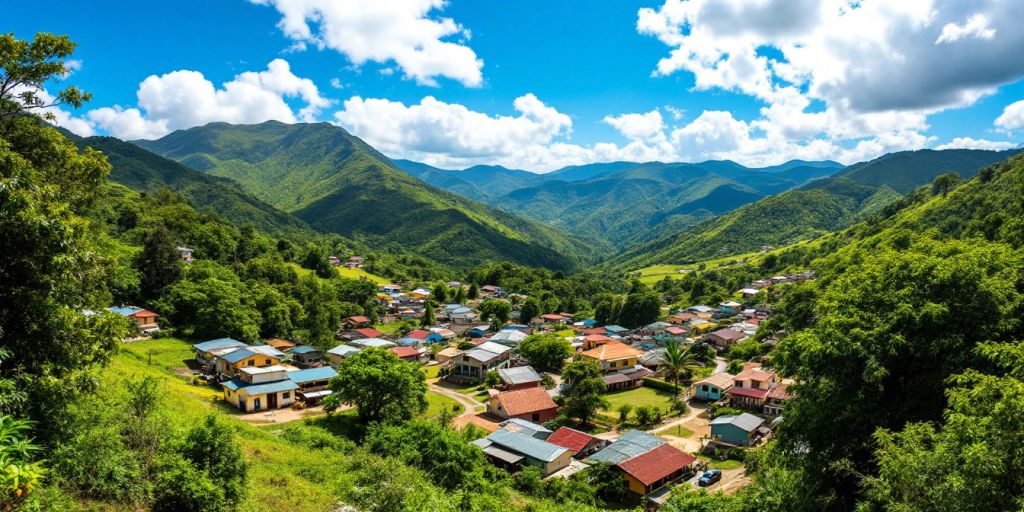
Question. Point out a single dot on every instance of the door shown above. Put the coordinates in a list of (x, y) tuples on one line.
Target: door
[(272, 401), (256, 404)]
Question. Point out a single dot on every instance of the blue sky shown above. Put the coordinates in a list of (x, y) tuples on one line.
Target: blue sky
[(542, 84)]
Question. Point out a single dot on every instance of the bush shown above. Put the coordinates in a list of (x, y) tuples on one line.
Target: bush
[(180, 487), (317, 439), (725, 411), (528, 480), (647, 416), (660, 385), (624, 411)]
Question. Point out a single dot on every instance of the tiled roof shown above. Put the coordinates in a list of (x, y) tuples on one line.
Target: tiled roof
[(613, 351), (780, 392), (525, 401), (419, 334), (728, 334), (597, 338), (756, 373), (751, 392), (312, 374), (571, 438), (359, 319), (596, 330), (656, 464), (721, 380)]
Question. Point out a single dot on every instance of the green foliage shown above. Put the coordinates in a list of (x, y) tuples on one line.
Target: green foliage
[(428, 314), (159, 264), (20, 474), (450, 461), (678, 363), (498, 309), (181, 486), (211, 447), (640, 307), (647, 416), (545, 352), (381, 386), (492, 379), (25, 66), (585, 392)]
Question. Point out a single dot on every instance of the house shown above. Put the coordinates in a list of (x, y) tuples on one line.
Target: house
[(515, 449), (406, 354), (626, 378), (363, 333), (354, 262), (424, 336), (489, 289), (447, 354), (445, 334), (532, 404), (553, 318), (475, 363), (714, 387), (280, 344), (724, 338), (334, 261), (355, 322), (526, 427), (700, 309), (615, 330), (736, 430), (593, 341), (478, 331), (259, 388), (420, 293), (700, 326), (372, 343), (509, 337), (186, 253), (730, 307), (144, 319), (338, 354), (749, 292), (614, 356), (595, 331), (520, 377), (313, 383), (655, 469), (630, 444), (672, 333), (656, 327), (207, 351), (579, 443), (751, 387), (390, 289), (306, 354), (230, 364), (776, 400)]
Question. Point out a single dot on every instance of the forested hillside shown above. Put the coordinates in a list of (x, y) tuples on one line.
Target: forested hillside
[(337, 183), (906, 170)]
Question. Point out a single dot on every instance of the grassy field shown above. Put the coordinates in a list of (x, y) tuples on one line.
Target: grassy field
[(653, 274), (637, 397), (351, 273), (437, 403), (678, 431)]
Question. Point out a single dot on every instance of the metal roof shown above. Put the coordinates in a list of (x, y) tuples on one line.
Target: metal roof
[(262, 388), (530, 446), (343, 350), (746, 421), (237, 355), (312, 374), (219, 343), (303, 349), (518, 375), (627, 446), (506, 456), (373, 342)]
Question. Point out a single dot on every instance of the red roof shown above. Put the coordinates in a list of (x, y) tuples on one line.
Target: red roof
[(403, 352), (675, 330), (780, 392), (553, 317), (571, 439), (525, 401), (370, 332), (596, 330), (359, 319), (751, 392), (144, 313), (656, 464), (598, 338), (418, 334)]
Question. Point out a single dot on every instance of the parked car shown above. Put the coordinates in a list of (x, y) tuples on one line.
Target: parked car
[(709, 477)]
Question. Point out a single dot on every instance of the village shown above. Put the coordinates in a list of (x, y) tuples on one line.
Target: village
[(658, 434)]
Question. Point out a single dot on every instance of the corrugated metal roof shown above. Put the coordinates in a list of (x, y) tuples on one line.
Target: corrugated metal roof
[(219, 343), (237, 355), (303, 349), (526, 445), (627, 446), (518, 375), (312, 374), (262, 388), (746, 421), (343, 350), (506, 456)]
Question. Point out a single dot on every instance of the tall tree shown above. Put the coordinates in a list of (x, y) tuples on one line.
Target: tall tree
[(381, 386), (545, 352), (677, 362), (473, 291), (586, 388), (529, 310), (428, 314), (159, 263), (440, 293), (640, 308), (50, 269)]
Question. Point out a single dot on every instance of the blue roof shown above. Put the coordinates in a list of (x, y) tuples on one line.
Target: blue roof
[(124, 310), (515, 326), (218, 344), (312, 374), (343, 350), (526, 445), (615, 328), (627, 446), (238, 355), (304, 349), (262, 388), (590, 322), (405, 342)]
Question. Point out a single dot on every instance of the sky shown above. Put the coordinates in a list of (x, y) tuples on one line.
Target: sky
[(542, 84)]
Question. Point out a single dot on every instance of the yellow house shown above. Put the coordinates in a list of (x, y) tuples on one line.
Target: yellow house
[(614, 356), (259, 388), (701, 327), (229, 365)]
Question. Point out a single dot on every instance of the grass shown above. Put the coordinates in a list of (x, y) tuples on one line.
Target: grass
[(677, 431), (638, 397), (725, 464), (356, 273), (431, 371), (437, 402)]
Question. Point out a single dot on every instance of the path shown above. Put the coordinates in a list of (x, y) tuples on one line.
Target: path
[(720, 365), (283, 415), (471, 406)]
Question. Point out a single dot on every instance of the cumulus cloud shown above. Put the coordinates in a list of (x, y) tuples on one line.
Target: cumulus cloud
[(405, 32), (183, 99), (971, 143), (975, 26), (1012, 116), (646, 126)]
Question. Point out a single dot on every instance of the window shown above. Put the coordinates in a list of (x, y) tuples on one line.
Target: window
[(612, 365), (536, 416), (268, 363), (287, 394), (251, 362)]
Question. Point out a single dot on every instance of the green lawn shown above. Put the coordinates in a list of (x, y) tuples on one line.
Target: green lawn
[(678, 431), (725, 464), (636, 398), (655, 273), (432, 370), (356, 273), (437, 402)]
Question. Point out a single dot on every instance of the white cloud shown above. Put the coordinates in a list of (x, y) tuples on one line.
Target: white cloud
[(646, 126), (183, 99), (1012, 116), (970, 143), (382, 31), (976, 26)]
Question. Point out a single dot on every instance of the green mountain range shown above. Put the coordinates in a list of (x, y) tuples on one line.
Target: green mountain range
[(906, 170), (337, 183)]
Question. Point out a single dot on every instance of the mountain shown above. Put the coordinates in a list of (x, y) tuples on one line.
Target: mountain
[(144, 171), (906, 170), (479, 182), (337, 183), (800, 214)]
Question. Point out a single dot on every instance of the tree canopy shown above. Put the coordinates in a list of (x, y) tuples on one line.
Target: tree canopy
[(382, 387)]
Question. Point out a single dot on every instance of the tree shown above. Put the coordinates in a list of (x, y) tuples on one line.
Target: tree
[(159, 264), (545, 352), (473, 291), (530, 309), (211, 447), (440, 293), (640, 308), (181, 487), (19, 473), (25, 67), (460, 295), (677, 362), (647, 416), (51, 267), (315, 259), (585, 392), (492, 379), (428, 314), (607, 310), (497, 310), (943, 183), (381, 386), (450, 461), (624, 411)]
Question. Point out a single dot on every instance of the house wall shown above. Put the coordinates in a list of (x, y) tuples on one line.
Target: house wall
[(561, 462), (730, 434), (619, 364), (237, 398), (709, 392), (253, 361)]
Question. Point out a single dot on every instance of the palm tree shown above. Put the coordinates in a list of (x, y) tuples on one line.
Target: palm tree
[(677, 363)]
